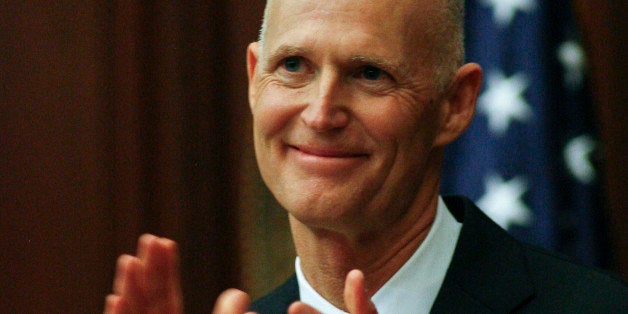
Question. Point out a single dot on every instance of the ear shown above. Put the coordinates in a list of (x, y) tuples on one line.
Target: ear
[(252, 57), (458, 106)]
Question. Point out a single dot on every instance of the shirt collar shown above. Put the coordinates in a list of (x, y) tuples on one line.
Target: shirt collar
[(414, 287)]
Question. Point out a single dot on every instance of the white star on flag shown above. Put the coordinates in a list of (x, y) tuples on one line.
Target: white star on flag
[(503, 101), (502, 201), (577, 155), (572, 57), (504, 10)]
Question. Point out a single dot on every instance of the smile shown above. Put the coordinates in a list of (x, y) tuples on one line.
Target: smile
[(324, 158), (327, 152)]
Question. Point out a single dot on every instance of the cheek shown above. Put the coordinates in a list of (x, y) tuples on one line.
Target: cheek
[(395, 123), (405, 132), (421, 120), (273, 111)]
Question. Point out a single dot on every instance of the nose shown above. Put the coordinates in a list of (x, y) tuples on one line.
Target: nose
[(326, 110)]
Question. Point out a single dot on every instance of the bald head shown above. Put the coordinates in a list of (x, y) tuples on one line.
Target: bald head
[(349, 107), (441, 22)]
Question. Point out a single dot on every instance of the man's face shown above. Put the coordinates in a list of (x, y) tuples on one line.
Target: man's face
[(345, 110)]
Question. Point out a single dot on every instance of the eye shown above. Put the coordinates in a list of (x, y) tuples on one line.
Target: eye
[(372, 73), (373, 79), (292, 64)]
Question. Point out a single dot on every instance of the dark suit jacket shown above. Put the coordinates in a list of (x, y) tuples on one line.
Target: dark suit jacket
[(491, 272)]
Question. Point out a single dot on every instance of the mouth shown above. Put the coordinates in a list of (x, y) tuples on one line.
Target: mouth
[(327, 152), (326, 161)]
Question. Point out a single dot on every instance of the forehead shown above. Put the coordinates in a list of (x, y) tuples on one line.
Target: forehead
[(329, 8), (400, 23)]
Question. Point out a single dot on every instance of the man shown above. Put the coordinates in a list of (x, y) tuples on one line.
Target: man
[(353, 103)]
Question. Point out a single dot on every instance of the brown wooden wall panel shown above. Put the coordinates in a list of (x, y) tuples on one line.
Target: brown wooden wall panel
[(53, 224), (119, 118)]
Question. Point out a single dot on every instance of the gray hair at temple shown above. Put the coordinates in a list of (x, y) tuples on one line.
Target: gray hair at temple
[(449, 52)]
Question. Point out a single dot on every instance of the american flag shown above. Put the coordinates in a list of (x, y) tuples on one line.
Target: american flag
[(528, 159)]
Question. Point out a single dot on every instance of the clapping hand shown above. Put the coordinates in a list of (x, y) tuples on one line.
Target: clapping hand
[(150, 283)]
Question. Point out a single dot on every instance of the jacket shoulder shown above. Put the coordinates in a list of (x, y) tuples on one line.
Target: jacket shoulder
[(563, 285), (496, 273)]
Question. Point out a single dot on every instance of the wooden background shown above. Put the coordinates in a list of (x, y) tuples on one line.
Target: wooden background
[(124, 117)]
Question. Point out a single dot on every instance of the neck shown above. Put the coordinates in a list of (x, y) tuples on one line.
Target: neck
[(328, 255)]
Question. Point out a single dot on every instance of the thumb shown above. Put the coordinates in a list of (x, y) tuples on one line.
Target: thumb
[(355, 296), (301, 308), (232, 301)]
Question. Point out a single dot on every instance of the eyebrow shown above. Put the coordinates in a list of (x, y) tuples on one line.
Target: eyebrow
[(284, 51)]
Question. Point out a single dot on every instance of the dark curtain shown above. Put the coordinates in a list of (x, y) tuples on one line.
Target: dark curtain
[(119, 118), (124, 117), (603, 24)]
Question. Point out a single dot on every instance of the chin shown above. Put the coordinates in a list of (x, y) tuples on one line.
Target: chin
[(329, 214)]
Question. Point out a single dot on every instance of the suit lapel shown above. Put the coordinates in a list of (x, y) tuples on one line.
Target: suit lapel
[(488, 272), (279, 299)]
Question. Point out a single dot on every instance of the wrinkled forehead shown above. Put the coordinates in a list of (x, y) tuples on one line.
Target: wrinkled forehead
[(407, 19), (328, 8)]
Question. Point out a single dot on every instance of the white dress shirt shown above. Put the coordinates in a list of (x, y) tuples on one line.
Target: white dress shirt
[(414, 287)]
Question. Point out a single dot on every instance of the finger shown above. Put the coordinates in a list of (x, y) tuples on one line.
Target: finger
[(120, 276), (115, 304), (160, 280), (356, 299), (128, 287), (232, 301), (111, 304), (143, 243), (171, 250), (301, 308), (161, 268), (123, 273), (124, 286)]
